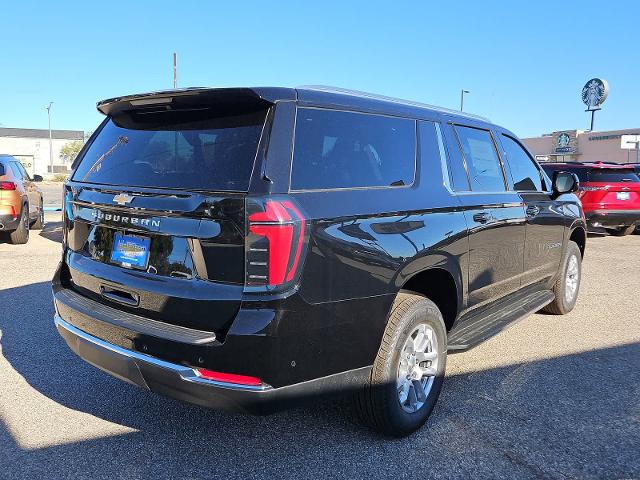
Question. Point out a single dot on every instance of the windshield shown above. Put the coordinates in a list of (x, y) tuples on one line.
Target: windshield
[(184, 150)]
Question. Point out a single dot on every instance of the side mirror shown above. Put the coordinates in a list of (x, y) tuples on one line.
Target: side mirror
[(37, 178), (565, 182)]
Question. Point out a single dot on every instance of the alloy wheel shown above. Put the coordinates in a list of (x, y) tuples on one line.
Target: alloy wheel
[(572, 279), (417, 368)]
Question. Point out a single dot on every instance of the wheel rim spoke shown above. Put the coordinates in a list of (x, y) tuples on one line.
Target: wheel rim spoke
[(417, 368)]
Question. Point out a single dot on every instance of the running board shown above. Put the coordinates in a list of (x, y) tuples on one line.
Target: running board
[(480, 326)]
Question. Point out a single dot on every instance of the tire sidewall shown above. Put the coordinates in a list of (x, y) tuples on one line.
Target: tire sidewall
[(572, 250), (422, 312)]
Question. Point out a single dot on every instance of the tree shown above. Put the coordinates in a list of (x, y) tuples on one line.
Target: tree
[(70, 150)]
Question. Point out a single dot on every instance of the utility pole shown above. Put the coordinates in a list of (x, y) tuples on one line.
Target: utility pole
[(50, 142), (175, 70), (462, 92)]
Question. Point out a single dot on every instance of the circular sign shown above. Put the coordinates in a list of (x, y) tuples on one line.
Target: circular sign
[(594, 93), (563, 140)]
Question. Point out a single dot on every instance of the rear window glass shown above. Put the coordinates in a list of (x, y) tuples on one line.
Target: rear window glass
[(604, 175), (183, 150), (348, 150)]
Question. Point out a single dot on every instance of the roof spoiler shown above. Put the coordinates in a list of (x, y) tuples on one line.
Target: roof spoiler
[(196, 97)]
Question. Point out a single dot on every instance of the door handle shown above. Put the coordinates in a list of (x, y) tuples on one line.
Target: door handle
[(533, 210), (482, 217)]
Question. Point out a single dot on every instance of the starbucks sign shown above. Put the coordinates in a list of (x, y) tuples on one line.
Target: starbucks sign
[(594, 93), (565, 142)]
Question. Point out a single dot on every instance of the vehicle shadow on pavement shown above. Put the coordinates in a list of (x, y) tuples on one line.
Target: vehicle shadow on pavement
[(52, 231), (576, 415)]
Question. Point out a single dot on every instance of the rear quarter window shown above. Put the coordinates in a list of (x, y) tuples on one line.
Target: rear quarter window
[(336, 149)]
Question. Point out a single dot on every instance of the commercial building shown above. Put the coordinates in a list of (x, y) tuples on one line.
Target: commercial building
[(31, 147), (585, 146)]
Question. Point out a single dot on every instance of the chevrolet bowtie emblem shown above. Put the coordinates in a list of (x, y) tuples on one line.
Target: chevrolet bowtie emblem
[(123, 198)]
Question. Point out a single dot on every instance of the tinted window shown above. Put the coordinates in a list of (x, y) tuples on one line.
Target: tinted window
[(16, 170), (525, 174), (458, 178), (580, 172), (23, 172), (191, 150), (2, 172), (604, 175), (483, 164), (432, 146), (346, 150)]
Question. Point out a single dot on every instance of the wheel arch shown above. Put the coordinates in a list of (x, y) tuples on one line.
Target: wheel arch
[(578, 234), (439, 279)]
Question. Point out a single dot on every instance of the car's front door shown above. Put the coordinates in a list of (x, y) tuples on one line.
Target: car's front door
[(545, 219)]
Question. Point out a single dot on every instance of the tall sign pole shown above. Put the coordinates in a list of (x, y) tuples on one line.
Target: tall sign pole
[(594, 93), (462, 92), (50, 141), (175, 70)]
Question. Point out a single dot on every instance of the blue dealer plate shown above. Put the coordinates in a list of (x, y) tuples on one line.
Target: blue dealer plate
[(130, 251)]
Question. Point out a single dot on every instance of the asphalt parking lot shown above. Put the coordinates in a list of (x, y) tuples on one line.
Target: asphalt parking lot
[(552, 397)]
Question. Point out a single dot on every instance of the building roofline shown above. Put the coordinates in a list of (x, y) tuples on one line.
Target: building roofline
[(41, 133)]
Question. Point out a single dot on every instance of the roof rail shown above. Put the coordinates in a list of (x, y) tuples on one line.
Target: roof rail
[(373, 96)]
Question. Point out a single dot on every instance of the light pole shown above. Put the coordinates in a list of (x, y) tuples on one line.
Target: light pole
[(50, 143), (462, 92)]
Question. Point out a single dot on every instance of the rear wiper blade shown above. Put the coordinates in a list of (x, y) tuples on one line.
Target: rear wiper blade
[(121, 141)]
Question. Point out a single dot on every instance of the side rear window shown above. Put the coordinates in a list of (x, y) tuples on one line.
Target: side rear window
[(2, 171), (336, 149), (525, 174), (481, 157), (16, 170)]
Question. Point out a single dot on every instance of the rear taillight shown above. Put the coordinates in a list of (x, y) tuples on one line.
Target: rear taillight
[(7, 186), (8, 210), (274, 245)]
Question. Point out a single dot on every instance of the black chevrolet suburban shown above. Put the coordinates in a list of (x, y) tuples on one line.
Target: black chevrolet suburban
[(252, 248)]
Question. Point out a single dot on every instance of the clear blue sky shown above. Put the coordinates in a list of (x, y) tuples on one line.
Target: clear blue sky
[(524, 62)]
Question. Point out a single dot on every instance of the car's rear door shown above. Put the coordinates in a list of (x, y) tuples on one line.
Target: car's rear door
[(545, 216), (495, 215)]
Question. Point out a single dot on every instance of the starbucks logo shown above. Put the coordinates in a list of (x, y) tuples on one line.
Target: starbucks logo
[(563, 140), (594, 93)]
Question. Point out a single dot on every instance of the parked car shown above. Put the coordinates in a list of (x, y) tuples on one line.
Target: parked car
[(610, 194), (20, 201), (251, 249)]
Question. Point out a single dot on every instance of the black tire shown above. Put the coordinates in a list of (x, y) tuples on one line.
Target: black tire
[(621, 231), (561, 305), (39, 223), (20, 235), (378, 405)]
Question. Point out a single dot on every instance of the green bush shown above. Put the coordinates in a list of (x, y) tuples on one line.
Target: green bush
[(60, 177)]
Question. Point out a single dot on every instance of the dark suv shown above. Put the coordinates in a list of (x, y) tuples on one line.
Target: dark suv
[(251, 248)]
